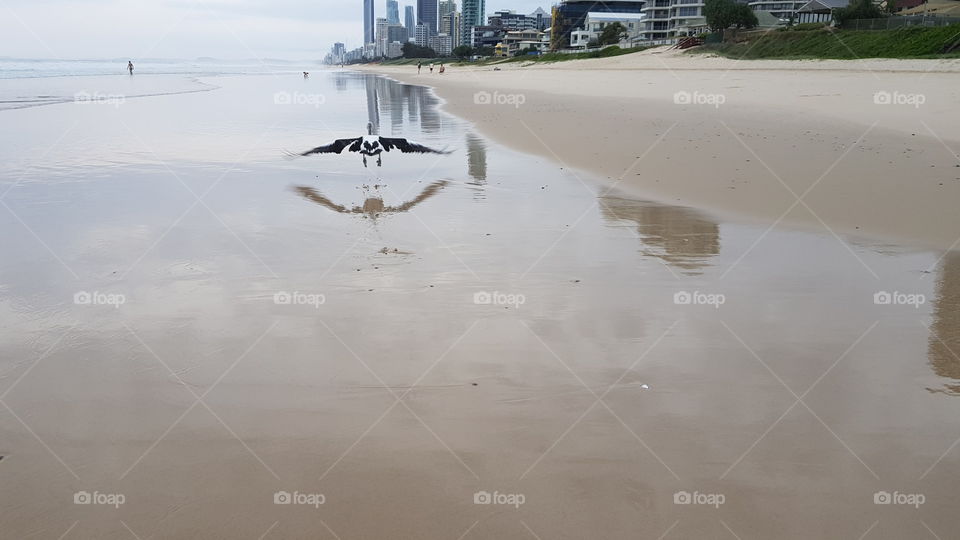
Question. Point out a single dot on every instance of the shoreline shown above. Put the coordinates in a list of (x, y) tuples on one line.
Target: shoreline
[(871, 170)]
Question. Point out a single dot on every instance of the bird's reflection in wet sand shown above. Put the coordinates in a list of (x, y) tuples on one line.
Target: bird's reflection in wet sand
[(373, 206), (943, 350), (681, 237)]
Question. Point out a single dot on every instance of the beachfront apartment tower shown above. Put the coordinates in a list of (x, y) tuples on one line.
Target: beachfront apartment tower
[(474, 14), (410, 20), (427, 15), (667, 20), (368, 22), (393, 12)]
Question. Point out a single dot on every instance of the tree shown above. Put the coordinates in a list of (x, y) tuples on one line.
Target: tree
[(858, 9), (462, 51), (412, 50), (744, 17), (613, 34), (722, 14)]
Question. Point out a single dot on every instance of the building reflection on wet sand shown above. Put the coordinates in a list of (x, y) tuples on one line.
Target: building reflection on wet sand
[(391, 99), (682, 237), (943, 350)]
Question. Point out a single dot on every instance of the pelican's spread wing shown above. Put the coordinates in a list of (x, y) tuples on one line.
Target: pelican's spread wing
[(336, 147), (407, 147)]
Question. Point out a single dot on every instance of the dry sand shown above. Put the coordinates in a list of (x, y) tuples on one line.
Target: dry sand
[(793, 142)]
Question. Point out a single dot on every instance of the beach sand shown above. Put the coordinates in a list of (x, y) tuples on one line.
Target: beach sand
[(811, 143), (511, 327)]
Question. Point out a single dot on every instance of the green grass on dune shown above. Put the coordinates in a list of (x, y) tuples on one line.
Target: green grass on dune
[(549, 57), (912, 42), (561, 57)]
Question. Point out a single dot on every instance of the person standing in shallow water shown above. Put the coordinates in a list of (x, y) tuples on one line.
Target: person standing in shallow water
[(130, 67)]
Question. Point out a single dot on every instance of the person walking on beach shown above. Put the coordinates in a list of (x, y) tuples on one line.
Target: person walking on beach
[(419, 67), (130, 66), (442, 69), (431, 68)]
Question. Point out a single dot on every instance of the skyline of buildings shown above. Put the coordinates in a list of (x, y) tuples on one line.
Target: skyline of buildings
[(437, 24)]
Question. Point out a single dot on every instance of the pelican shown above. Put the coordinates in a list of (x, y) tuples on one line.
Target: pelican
[(372, 145)]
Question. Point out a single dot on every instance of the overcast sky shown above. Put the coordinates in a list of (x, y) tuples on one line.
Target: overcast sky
[(293, 29)]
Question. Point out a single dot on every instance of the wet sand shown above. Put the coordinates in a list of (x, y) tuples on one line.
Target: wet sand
[(490, 322), (800, 142)]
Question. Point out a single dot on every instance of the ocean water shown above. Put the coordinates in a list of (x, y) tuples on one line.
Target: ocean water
[(161, 249), (31, 83)]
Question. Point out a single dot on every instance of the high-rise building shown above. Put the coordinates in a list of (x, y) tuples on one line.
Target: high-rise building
[(393, 12), (427, 14), (398, 33), (410, 20), (446, 7), (338, 53), (381, 37), (368, 22), (442, 44), (421, 36), (450, 24), (474, 14)]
